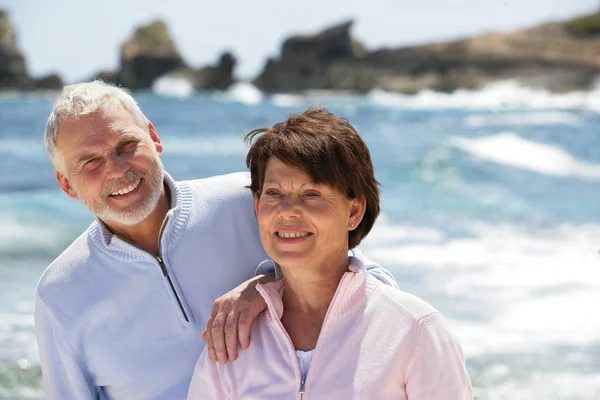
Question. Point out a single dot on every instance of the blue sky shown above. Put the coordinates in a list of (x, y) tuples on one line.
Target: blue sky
[(77, 38)]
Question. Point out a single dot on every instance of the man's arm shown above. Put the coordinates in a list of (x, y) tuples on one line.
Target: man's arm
[(64, 374)]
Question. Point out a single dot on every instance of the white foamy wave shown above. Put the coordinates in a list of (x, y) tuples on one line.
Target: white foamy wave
[(510, 149), (498, 95), (241, 92), (205, 145), (544, 385), (534, 287), (19, 236), (521, 119), (286, 100), (173, 86)]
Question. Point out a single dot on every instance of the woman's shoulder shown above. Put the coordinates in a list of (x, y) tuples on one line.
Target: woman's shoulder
[(390, 299)]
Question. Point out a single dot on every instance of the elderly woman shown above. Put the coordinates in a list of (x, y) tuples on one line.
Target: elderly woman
[(330, 330)]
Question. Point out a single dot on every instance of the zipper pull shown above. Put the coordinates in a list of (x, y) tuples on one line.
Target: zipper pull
[(163, 268), (301, 391)]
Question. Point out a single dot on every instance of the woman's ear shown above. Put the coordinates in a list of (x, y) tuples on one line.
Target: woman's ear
[(256, 201), (357, 212)]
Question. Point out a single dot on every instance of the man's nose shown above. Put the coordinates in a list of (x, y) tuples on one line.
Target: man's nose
[(117, 165)]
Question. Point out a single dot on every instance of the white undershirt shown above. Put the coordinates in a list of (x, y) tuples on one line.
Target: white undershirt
[(305, 357)]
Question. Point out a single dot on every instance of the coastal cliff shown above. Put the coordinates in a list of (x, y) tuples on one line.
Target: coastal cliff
[(13, 68), (151, 53), (558, 56)]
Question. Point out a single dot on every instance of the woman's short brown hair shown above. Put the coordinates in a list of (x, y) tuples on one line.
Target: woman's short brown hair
[(328, 149)]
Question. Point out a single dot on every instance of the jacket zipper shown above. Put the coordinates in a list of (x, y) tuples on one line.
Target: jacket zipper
[(302, 382), (312, 368), (279, 325)]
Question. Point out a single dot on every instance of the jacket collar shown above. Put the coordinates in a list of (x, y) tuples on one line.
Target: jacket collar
[(349, 295)]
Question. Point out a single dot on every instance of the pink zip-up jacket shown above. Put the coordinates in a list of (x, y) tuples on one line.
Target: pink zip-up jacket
[(376, 342)]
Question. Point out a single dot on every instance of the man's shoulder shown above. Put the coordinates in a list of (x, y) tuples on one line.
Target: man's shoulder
[(232, 181), (67, 268), (232, 186), (394, 299)]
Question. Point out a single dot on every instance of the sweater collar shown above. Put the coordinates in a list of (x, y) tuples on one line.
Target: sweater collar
[(349, 295), (177, 217)]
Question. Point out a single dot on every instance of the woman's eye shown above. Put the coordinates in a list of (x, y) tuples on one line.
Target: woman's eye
[(312, 195), (269, 192)]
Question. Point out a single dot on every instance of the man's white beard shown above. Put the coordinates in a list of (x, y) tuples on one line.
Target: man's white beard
[(142, 210)]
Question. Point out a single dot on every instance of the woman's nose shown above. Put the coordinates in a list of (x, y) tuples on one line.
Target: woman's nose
[(289, 207)]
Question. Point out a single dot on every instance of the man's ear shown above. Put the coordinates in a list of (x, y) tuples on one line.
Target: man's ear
[(155, 138), (357, 212), (66, 185)]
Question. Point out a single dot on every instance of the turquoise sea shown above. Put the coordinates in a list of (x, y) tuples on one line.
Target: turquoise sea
[(491, 212)]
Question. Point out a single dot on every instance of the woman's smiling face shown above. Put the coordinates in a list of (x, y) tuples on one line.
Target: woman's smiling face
[(301, 222)]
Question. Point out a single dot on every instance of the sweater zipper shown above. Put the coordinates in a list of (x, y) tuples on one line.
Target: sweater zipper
[(163, 268)]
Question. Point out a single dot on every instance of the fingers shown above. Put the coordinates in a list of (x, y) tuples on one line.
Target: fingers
[(218, 338), (231, 335), (209, 340), (244, 323)]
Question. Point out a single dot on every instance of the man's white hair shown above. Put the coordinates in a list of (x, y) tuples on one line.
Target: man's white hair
[(83, 99)]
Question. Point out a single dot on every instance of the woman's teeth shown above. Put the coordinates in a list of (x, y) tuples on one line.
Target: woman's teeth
[(127, 189), (289, 235)]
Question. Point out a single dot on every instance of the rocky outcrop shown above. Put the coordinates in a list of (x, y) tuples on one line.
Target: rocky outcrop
[(147, 55), (305, 61), (13, 72), (151, 53), (219, 76), (13, 69), (555, 56)]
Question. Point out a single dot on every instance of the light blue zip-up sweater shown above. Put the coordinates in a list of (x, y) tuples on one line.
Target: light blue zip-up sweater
[(115, 322)]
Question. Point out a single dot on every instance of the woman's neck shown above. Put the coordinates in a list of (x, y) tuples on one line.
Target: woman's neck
[(307, 294)]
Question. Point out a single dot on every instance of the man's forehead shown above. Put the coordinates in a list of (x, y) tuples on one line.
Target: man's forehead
[(83, 135)]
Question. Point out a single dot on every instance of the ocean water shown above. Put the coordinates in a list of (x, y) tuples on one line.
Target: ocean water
[(491, 212)]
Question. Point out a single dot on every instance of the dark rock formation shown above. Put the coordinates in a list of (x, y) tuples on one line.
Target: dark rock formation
[(215, 77), (151, 53), (147, 55), (49, 82), (219, 76), (13, 69), (13, 72), (305, 61), (552, 56)]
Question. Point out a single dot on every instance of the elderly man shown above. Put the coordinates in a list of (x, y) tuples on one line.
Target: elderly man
[(120, 313)]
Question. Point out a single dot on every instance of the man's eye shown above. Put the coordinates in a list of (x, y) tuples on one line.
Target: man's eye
[(269, 192), (128, 146), (90, 161), (311, 194)]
